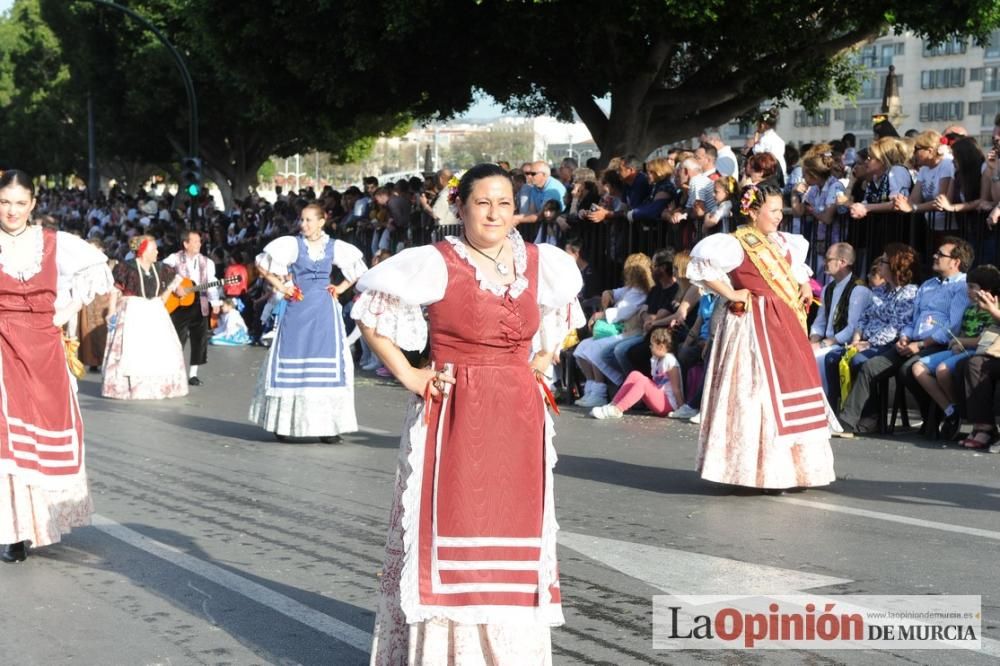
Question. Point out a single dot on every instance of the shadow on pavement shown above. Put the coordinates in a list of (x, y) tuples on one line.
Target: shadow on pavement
[(277, 638), (687, 482)]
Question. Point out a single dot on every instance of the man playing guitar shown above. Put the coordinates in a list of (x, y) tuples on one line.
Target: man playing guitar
[(192, 319)]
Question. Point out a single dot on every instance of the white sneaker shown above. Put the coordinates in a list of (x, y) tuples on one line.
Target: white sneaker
[(685, 412), (695, 419), (608, 411)]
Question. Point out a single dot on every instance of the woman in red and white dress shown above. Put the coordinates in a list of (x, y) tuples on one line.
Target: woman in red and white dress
[(765, 420), (470, 574), (45, 278)]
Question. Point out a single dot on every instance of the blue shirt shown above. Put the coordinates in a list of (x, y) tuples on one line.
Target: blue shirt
[(638, 190), (553, 190), (887, 313), (938, 309)]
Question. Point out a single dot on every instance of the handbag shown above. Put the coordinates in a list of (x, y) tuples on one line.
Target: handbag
[(844, 371), (989, 342), (70, 347), (605, 329)]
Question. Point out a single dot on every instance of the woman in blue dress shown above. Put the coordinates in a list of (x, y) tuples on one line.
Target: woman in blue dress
[(306, 386)]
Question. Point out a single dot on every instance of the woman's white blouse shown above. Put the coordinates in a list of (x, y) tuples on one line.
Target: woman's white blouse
[(281, 253), (715, 256), (394, 292), (83, 271)]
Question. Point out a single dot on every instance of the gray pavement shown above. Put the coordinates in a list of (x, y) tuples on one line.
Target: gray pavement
[(215, 544)]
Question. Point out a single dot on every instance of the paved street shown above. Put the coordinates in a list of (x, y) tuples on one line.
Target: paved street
[(215, 544)]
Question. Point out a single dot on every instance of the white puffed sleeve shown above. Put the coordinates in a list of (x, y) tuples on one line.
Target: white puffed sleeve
[(279, 254), (394, 291), (349, 260), (798, 247), (83, 271), (559, 282), (712, 259)]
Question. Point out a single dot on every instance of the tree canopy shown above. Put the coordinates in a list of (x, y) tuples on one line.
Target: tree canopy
[(278, 78)]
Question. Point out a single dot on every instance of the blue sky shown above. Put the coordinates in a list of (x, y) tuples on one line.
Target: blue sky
[(5, 5)]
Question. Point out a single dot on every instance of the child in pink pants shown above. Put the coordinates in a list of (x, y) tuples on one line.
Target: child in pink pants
[(662, 394)]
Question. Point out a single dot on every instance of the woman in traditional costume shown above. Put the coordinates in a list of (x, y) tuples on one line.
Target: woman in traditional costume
[(305, 388), (470, 573), (93, 326), (144, 359), (45, 277), (765, 421)]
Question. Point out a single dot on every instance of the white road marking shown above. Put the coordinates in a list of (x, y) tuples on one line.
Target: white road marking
[(341, 631), (679, 572), (889, 517)]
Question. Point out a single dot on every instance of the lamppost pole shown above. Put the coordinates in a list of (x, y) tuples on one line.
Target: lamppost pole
[(178, 60)]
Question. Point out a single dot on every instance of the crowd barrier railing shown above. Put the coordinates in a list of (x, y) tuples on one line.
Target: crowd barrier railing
[(605, 246)]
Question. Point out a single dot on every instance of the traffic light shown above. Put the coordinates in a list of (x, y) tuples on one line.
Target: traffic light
[(191, 176)]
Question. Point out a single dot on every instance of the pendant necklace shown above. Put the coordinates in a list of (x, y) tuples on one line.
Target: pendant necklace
[(501, 267)]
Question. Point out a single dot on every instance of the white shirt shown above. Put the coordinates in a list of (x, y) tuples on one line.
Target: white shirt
[(823, 324), (770, 142), (702, 188)]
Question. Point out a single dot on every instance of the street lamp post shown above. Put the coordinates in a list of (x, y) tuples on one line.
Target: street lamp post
[(181, 67)]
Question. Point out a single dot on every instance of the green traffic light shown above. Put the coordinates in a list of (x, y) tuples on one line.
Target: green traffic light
[(194, 189)]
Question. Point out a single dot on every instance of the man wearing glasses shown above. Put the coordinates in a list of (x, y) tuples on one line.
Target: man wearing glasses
[(844, 299), (937, 316), (543, 187)]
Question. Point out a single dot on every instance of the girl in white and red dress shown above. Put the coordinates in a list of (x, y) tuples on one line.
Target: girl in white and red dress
[(474, 485), (45, 278), (765, 420), (144, 358)]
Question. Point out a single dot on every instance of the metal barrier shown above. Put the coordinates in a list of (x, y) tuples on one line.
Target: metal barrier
[(606, 245)]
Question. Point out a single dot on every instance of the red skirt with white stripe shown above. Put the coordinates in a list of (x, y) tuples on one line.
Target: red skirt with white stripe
[(41, 433)]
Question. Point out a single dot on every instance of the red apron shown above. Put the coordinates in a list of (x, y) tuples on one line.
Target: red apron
[(41, 433)]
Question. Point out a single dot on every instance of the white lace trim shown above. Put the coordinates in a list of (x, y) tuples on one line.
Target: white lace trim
[(35, 266), (88, 282), (412, 465), (515, 288), (391, 318), (314, 253)]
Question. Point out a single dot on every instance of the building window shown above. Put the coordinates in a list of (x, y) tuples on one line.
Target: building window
[(938, 111), (993, 48), (887, 51), (991, 79), (858, 118), (942, 78), (953, 46), (976, 74), (820, 118), (872, 87), (987, 111)]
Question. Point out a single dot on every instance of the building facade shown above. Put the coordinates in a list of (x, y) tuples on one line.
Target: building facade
[(955, 83)]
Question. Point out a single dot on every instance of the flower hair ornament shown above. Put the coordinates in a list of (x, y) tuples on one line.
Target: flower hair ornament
[(453, 191), (749, 198)]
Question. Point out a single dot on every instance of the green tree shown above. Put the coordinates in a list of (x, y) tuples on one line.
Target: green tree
[(39, 128), (674, 67), (254, 101)]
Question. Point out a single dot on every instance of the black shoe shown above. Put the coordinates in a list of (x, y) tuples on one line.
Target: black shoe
[(281, 438), (950, 426), (194, 381), (15, 552), (330, 439)]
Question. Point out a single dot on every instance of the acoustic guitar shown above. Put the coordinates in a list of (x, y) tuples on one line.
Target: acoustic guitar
[(188, 288)]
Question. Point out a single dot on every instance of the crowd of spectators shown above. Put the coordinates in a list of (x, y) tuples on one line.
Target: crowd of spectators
[(639, 219)]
